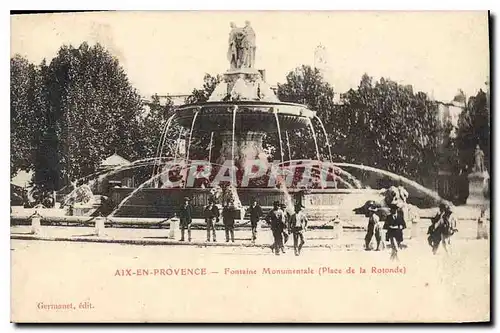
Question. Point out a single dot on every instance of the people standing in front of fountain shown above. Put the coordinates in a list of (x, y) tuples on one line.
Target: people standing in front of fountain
[(395, 224), (276, 219), (298, 225), (186, 217), (211, 214), (375, 226), (442, 227), (228, 213), (255, 214), (286, 230)]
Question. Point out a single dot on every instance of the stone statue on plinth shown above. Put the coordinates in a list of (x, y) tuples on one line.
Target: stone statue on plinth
[(478, 180), (478, 161), (242, 82), (241, 49), (235, 49)]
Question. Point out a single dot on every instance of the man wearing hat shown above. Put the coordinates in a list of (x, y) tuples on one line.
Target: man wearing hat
[(375, 227), (228, 215), (395, 224), (255, 212), (211, 214), (287, 229), (442, 227), (298, 225), (186, 217), (276, 219)]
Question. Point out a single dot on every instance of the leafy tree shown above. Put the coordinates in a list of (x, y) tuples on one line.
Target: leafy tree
[(474, 129), (449, 159), (391, 127), (152, 124), (25, 90), (305, 85), (91, 111), (201, 140), (202, 95), (382, 124)]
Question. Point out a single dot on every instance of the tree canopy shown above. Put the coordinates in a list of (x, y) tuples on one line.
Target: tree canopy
[(85, 110), (474, 128), (389, 126), (382, 124), (305, 85), (70, 114), (25, 110)]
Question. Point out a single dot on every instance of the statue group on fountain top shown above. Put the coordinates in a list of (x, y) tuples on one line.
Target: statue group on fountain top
[(241, 51)]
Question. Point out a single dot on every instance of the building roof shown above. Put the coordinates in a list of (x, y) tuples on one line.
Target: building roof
[(114, 160)]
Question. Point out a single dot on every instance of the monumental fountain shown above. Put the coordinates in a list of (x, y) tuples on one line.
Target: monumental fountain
[(241, 112)]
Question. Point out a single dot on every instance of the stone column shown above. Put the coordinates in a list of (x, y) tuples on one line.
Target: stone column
[(247, 147)]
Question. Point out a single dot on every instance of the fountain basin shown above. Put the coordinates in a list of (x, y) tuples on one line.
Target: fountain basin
[(250, 116)]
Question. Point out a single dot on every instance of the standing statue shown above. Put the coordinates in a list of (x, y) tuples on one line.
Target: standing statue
[(235, 51), (232, 54), (249, 45), (478, 161), (241, 50)]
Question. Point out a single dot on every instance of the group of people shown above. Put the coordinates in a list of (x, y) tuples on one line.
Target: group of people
[(212, 215), (281, 222), (385, 225), (389, 227)]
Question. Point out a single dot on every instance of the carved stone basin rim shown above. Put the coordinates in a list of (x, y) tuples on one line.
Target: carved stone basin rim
[(282, 108)]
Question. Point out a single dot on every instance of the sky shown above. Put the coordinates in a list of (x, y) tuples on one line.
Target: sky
[(169, 52)]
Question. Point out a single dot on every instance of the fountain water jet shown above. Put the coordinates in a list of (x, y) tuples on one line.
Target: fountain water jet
[(139, 188), (408, 183), (314, 137), (288, 145), (161, 143), (326, 137), (191, 135), (279, 136), (240, 113), (235, 108), (210, 146), (177, 148)]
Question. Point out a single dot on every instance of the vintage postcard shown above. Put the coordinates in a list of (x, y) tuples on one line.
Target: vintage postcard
[(244, 167)]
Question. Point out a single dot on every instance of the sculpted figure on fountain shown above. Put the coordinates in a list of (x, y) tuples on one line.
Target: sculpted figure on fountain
[(241, 48)]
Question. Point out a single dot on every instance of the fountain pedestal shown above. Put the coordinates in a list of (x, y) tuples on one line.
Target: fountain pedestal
[(247, 147), (243, 84), (249, 76)]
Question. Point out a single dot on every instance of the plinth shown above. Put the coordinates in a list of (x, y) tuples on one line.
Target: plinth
[(478, 184), (248, 75)]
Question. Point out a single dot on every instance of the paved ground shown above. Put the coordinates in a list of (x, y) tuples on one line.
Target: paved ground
[(442, 287), (68, 264), (315, 237)]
